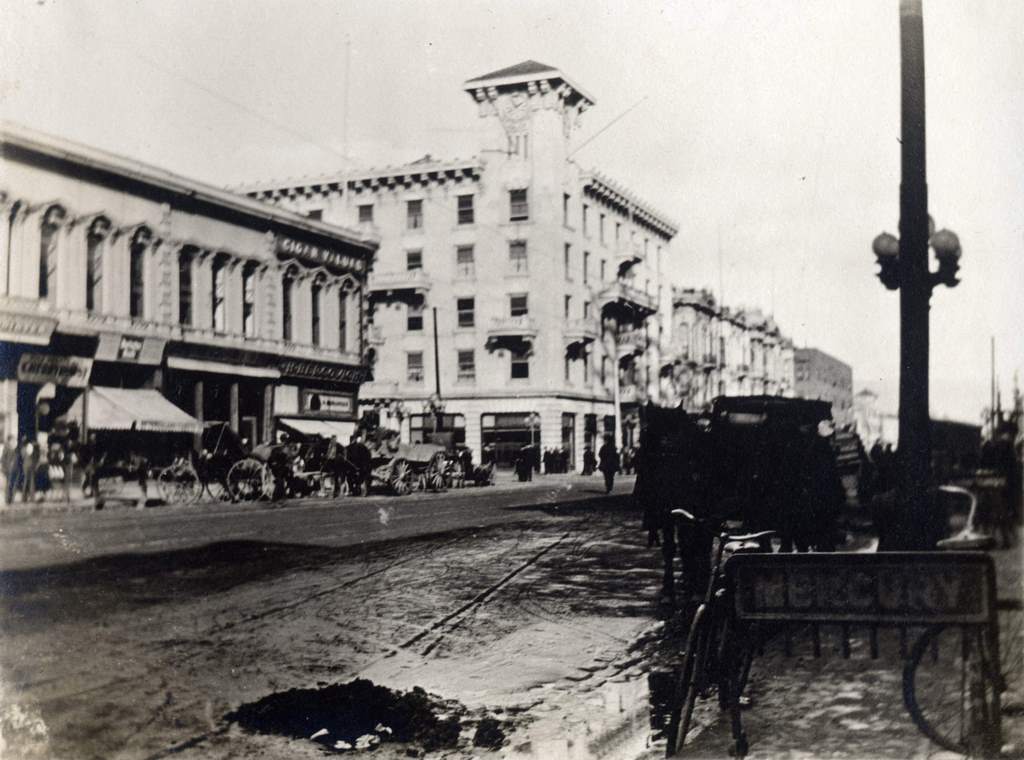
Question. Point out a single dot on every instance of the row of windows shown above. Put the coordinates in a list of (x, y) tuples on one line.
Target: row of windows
[(465, 211), (465, 310), (465, 259), (519, 367), (601, 224)]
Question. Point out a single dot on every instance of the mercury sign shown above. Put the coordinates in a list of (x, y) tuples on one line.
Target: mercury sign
[(69, 371)]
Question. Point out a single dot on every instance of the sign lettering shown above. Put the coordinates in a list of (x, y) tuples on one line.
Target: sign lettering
[(315, 254), (328, 404), (114, 347), (24, 328), (891, 587), (69, 371), (313, 370)]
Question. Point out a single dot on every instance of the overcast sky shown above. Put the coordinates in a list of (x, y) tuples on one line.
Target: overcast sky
[(768, 129)]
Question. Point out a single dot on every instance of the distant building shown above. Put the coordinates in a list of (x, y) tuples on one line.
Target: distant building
[(115, 274), (818, 375), (718, 351), (542, 280), (872, 424)]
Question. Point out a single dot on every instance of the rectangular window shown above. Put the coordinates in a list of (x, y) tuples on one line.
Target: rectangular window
[(316, 214), (519, 206), (185, 289), (467, 367), (519, 365), (413, 260), (464, 264), (220, 286), (567, 261), (600, 228), (603, 268), (585, 358), (366, 212), (137, 282), (568, 306), (413, 215), (586, 309), (517, 305), (465, 215), (586, 266), (517, 256), (565, 209), (249, 301), (465, 307), (342, 321), (584, 219), (568, 368), (618, 231), (414, 366), (286, 306), (414, 317)]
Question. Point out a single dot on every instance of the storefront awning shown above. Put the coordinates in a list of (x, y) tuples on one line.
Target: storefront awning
[(326, 428), (133, 409)]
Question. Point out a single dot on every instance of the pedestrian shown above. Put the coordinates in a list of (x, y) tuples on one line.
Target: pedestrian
[(589, 461), (10, 464), (608, 462), (361, 460), (29, 466), (59, 470)]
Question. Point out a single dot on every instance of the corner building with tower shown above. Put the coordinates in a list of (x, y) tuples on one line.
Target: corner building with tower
[(544, 281)]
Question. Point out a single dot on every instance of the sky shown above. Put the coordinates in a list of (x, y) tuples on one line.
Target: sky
[(768, 129)]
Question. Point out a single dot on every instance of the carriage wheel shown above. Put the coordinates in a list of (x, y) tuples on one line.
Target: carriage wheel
[(401, 477), (435, 474), (247, 479), (179, 484)]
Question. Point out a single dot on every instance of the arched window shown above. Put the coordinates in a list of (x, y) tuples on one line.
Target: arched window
[(96, 241), (316, 291), (287, 288), (342, 319), (185, 285), (137, 272), (51, 222), (249, 299), (219, 294)]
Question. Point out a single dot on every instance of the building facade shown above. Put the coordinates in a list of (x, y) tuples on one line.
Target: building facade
[(820, 376), (114, 274), (718, 351), (542, 281)]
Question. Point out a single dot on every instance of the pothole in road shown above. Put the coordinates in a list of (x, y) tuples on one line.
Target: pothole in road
[(360, 715)]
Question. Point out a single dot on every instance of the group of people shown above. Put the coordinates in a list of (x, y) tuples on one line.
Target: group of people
[(37, 471)]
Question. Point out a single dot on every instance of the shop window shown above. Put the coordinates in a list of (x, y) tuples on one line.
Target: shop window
[(466, 308), (287, 307), (413, 260), (519, 366), (219, 294), (342, 320), (422, 425), (517, 256), (465, 209), (137, 273), (467, 366), (414, 317), (366, 213), (185, 287), (48, 233), (96, 240), (464, 263), (413, 215), (518, 305), (414, 366), (315, 308), (249, 300), (519, 206)]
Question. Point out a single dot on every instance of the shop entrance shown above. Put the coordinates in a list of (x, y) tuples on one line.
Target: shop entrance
[(505, 434)]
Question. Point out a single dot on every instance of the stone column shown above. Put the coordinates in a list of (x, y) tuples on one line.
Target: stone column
[(268, 413), (233, 406)]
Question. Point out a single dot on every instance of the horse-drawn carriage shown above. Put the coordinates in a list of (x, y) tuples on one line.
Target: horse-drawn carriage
[(761, 461), (222, 468), (405, 467)]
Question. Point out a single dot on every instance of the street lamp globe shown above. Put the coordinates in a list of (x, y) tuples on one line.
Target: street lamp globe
[(946, 245), (886, 246)]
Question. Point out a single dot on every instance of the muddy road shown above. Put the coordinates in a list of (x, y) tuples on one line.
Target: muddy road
[(527, 623)]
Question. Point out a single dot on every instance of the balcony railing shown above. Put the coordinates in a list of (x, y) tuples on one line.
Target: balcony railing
[(512, 327), (632, 341), (415, 280), (625, 296), (580, 331)]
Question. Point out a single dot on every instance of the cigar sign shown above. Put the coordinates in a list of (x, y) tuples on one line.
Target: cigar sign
[(318, 256), (69, 371)]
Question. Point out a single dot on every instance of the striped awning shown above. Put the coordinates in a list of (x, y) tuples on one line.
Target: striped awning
[(140, 409)]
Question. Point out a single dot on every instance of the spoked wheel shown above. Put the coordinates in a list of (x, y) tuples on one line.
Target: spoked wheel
[(248, 480), (179, 484), (435, 475), (949, 688), (401, 477), (689, 684)]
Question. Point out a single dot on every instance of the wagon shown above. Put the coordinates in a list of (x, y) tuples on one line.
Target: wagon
[(404, 467), (223, 469)]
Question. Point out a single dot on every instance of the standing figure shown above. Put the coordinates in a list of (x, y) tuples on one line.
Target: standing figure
[(361, 460), (11, 466), (589, 462), (60, 474), (29, 465), (608, 462)]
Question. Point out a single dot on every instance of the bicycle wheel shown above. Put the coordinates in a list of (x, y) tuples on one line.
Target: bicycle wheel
[(948, 688), (690, 681)]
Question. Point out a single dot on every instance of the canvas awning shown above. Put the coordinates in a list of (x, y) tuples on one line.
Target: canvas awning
[(133, 409), (326, 428)]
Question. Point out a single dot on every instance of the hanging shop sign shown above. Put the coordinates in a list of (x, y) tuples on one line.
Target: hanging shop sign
[(318, 256), (69, 371), (26, 328), (312, 370), (328, 404), (114, 347)]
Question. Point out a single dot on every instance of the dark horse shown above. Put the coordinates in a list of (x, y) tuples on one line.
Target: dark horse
[(758, 461)]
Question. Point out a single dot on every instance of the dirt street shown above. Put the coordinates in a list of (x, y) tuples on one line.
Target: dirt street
[(530, 624)]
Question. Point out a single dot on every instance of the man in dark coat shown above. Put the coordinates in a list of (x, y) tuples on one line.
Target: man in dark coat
[(608, 463), (10, 462), (589, 462), (360, 458)]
